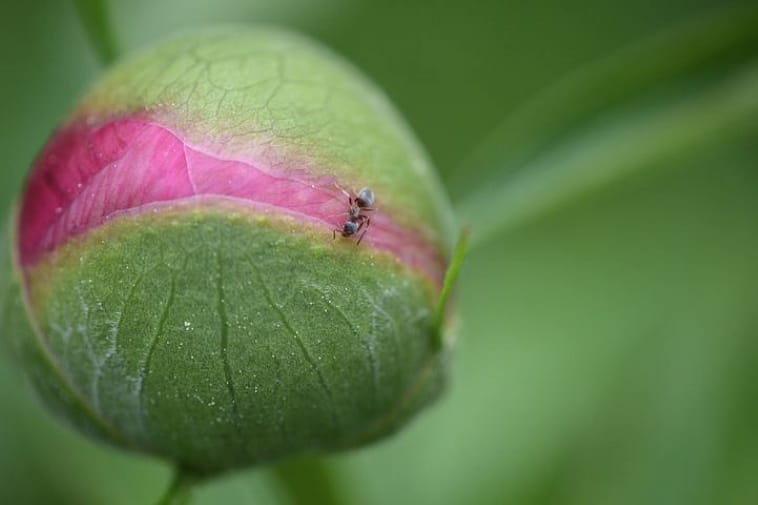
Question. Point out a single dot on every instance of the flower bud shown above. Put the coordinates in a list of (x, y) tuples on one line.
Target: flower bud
[(198, 274)]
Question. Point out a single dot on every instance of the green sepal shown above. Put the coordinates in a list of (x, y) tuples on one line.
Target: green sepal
[(451, 276), (219, 339)]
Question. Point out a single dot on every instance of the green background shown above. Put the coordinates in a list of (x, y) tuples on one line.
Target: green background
[(609, 334)]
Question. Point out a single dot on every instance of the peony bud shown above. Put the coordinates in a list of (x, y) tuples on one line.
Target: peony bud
[(182, 283)]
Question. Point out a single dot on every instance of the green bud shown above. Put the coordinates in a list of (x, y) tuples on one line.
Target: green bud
[(197, 274)]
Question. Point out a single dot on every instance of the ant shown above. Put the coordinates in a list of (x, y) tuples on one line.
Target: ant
[(357, 220)]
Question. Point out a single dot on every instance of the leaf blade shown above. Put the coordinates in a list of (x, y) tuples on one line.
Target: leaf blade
[(95, 18), (624, 148)]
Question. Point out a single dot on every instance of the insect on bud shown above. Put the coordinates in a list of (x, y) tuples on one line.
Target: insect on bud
[(231, 252)]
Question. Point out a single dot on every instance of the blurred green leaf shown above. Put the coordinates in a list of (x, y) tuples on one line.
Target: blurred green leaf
[(614, 150), (709, 41), (95, 17), (578, 136)]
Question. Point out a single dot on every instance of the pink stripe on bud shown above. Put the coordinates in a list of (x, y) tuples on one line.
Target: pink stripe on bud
[(87, 175)]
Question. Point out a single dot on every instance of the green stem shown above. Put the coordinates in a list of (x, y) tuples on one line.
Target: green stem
[(180, 490), (95, 17), (308, 481)]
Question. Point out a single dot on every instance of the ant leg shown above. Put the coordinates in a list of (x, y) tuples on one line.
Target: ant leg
[(344, 192), (334, 234), (361, 223), (368, 223)]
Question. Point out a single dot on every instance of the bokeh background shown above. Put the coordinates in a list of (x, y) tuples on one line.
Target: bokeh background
[(606, 155)]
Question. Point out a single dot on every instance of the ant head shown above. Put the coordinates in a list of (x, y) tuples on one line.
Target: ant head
[(365, 198)]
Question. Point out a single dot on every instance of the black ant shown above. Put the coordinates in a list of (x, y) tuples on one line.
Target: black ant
[(357, 220)]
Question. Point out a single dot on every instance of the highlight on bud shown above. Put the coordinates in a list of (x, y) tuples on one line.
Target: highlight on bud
[(186, 284)]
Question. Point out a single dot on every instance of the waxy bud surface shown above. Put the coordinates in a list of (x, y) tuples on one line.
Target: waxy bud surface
[(178, 287)]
